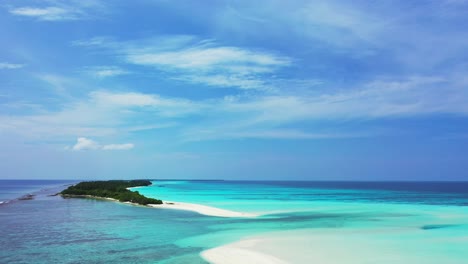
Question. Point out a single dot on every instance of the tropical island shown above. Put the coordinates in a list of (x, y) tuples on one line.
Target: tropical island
[(117, 190), (114, 189)]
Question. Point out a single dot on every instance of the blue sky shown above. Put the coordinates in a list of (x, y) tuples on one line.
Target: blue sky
[(303, 90)]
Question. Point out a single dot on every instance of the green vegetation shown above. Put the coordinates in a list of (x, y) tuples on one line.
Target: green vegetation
[(111, 189)]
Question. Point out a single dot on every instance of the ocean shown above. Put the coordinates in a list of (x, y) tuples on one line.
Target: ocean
[(11, 190), (352, 222)]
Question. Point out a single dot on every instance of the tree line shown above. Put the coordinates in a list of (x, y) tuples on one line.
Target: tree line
[(116, 189)]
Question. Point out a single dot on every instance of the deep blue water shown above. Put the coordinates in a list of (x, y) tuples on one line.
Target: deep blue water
[(13, 189), (435, 187)]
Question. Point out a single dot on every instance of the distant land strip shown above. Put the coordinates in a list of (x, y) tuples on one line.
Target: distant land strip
[(114, 189)]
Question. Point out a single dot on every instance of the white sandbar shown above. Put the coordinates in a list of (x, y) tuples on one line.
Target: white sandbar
[(238, 253), (335, 246), (201, 209)]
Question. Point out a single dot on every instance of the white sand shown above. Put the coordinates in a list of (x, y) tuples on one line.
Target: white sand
[(238, 253), (201, 209), (285, 247), (330, 246)]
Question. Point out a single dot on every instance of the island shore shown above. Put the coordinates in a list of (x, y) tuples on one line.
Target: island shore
[(198, 208), (95, 198), (201, 209)]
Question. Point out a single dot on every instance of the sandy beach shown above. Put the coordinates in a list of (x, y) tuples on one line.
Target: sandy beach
[(198, 208), (201, 209)]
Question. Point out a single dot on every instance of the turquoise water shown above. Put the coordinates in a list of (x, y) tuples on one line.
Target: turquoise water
[(419, 221)]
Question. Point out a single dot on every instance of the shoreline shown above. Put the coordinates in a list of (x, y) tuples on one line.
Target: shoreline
[(197, 208), (202, 209)]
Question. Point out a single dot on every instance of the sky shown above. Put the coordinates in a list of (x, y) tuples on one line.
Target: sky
[(236, 90)]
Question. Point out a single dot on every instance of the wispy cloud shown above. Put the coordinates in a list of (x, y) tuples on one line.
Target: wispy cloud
[(60, 11), (221, 80), (197, 61), (271, 116), (340, 24), (125, 146), (10, 66), (268, 116), (101, 114), (47, 13), (335, 25), (94, 42), (83, 143), (164, 106), (59, 84), (380, 98), (104, 113), (105, 71), (207, 57), (268, 133)]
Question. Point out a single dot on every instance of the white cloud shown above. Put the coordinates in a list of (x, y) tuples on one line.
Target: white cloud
[(359, 29), (201, 62), (47, 13), (85, 144), (381, 98), (88, 144), (61, 11), (270, 116), (10, 66), (279, 115), (165, 106), (100, 114), (204, 58), (124, 99), (93, 42), (220, 80), (336, 24), (212, 65), (106, 71)]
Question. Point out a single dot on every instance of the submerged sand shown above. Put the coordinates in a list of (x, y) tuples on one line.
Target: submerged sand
[(333, 246)]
